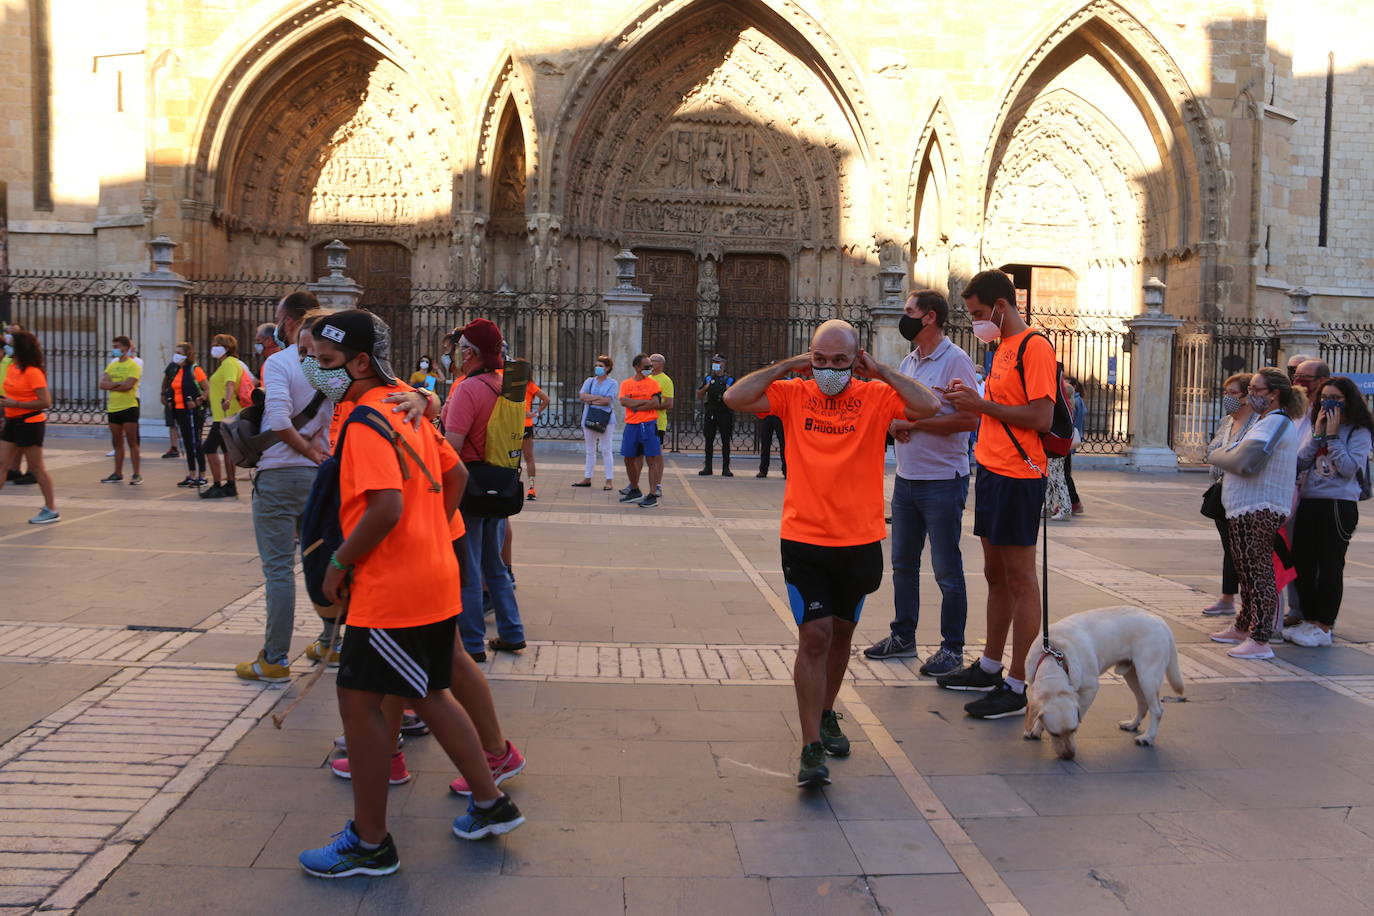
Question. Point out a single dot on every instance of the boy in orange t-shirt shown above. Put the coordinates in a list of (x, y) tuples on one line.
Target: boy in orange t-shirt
[(396, 567), (641, 397), (832, 516), (532, 391)]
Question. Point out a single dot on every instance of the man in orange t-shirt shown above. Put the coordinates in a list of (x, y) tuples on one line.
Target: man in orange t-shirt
[(832, 515), (396, 567), (532, 392), (641, 397), (1010, 490)]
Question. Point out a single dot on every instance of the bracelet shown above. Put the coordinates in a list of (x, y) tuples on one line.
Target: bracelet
[(334, 562)]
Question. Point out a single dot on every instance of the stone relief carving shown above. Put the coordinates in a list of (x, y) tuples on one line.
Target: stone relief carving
[(543, 234), (708, 288)]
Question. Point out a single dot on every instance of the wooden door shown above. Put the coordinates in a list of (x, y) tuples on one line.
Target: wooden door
[(382, 269), (753, 326)]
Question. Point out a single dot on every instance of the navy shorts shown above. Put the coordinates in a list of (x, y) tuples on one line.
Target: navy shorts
[(400, 662), (830, 581), (641, 439), (1006, 510)]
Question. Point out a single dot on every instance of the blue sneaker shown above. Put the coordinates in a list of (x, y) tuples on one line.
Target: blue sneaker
[(45, 516), (502, 817), (346, 857)]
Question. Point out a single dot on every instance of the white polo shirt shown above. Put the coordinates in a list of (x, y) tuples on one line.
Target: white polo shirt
[(929, 456)]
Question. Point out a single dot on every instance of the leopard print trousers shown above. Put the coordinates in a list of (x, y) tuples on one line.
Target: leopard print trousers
[(1252, 548)]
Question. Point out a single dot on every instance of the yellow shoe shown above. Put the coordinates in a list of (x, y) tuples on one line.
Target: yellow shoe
[(260, 669), (315, 652)]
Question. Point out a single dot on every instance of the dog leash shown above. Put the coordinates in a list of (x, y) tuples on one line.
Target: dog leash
[(1057, 655)]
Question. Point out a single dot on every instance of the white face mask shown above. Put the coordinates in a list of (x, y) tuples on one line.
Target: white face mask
[(178, 358), (831, 381), (257, 348), (987, 331), (218, 352), (424, 364)]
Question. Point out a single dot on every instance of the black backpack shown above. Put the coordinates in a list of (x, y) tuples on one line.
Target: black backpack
[(321, 533)]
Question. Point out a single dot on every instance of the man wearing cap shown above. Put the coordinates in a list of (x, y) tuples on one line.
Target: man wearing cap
[(465, 424), (719, 418)]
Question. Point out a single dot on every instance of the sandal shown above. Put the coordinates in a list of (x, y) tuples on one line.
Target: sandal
[(585, 483), (608, 487)]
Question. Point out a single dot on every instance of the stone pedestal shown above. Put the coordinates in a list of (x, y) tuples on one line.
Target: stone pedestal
[(162, 325), (1300, 337), (1151, 382), (888, 346), (625, 318), (336, 291)]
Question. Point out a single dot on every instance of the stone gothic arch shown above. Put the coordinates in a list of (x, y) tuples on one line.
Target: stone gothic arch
[(716, 127), (1099, 87), (326, 126), (936, 202)]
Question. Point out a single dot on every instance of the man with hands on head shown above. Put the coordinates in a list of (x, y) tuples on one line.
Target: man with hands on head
[(832, 518)]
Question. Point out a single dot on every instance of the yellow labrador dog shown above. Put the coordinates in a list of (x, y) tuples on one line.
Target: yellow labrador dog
[(1140, 646)]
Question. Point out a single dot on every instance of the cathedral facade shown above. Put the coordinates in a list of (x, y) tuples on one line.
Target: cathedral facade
[(782, 150)]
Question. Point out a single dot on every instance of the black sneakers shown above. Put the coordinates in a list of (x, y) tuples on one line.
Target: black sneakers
[(832, 739), (891, 647), (999, 703), (972, 677), (633, 496), (813, 771)]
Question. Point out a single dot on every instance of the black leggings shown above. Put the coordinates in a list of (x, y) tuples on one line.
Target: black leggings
[(1068, 479), (1322, 529), (189, 422), (1229, 583)]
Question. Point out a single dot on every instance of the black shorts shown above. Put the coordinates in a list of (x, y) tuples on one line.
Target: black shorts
[(169, 415), (1006, 510), (24, 435), (214, 442), (661, 433), (830, 581), (529, 432), (127, 415), (402, 662)]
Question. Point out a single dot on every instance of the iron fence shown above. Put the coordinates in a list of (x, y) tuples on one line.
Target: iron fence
[(1349, 348), (1205, 354), (233, 305), (560, 334), (688, 332), (75, 317)]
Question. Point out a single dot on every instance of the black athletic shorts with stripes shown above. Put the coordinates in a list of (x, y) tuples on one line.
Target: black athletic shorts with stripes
[(402, 662)]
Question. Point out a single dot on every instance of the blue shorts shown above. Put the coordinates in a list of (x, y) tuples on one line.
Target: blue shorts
[(641, 439), (1006, 510)]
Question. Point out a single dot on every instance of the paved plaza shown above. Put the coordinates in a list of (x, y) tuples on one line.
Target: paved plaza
[(655, 707)]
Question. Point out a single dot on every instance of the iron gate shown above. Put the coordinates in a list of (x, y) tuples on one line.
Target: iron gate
[(1205, 354)]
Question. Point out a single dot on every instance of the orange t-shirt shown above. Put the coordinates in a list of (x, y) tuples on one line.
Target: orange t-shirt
[(411, 578), (341, 412), (995, 450), (640, 390), (23, 385), (835, 457), (179, 399), (530, 391)]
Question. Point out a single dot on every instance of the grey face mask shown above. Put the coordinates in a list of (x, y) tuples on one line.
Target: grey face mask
[(1230, 404), (831, 381)]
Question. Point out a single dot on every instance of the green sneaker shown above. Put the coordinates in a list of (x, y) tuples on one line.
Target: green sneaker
[(834, 741), (813, 770)]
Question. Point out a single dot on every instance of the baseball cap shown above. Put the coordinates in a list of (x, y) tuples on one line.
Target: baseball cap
[(361, 330), (486, 337)]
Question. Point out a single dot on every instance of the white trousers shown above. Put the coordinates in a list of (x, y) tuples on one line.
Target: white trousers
[(606, 443)]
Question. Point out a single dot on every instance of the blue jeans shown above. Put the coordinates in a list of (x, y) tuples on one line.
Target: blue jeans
[(483, 564), (931, 509)]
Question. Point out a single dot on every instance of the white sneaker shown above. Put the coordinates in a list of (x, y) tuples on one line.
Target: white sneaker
[(1309, 635)]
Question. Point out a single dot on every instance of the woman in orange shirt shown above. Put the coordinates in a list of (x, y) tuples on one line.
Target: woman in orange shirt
[(189, 393), (25, 398)]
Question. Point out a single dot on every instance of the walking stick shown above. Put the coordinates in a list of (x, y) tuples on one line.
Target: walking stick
[(310, 681)]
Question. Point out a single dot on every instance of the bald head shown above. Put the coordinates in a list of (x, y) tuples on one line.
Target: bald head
[(835, 344), (1310, 375)]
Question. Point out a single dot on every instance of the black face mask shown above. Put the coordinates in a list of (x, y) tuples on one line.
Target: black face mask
[(909, 327)]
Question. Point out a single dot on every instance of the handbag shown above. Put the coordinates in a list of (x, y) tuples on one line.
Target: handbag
[(492, 491), (597, 418), (1211, 502)]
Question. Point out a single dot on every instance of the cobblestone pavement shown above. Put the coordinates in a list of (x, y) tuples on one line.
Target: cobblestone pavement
[(654, 704)]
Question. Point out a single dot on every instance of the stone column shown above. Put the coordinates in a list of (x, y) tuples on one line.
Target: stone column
[(1300, 334), (1152, 356), (336, 291), (625, 304), (162, 325), (887, 346)]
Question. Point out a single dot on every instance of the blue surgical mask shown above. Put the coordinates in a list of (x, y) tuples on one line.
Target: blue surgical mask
[(599, 371), (281, 341), (1330, 404), (257, 348), (9, 351), (446, 360), (116, 353)]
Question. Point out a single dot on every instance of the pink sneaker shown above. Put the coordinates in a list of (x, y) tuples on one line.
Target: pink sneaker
[(1251, 649), (1230, 635), (502, 768), (399, 774)]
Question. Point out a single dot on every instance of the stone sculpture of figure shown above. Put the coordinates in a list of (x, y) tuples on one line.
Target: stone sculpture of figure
[(708, 289), (713, 160), (476, 236), (682, 165)]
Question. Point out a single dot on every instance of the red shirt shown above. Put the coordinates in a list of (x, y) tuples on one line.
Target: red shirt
[(468, 410)]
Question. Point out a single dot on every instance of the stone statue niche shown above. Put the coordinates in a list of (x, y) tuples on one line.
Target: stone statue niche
[(509, 246)]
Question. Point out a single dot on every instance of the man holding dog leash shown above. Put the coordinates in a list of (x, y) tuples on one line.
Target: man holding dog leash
[(1010, 490)]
